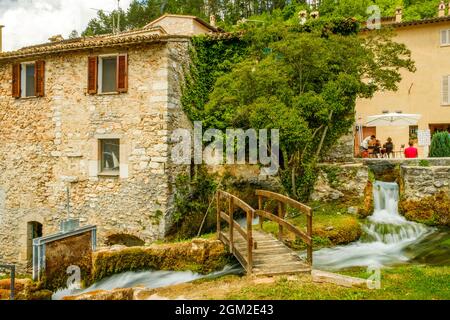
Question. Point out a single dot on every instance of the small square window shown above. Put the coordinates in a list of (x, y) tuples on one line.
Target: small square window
[(110, 156), (108, 74)]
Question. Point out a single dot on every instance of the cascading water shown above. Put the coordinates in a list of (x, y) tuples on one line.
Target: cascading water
[(147, 279), (385, 236)]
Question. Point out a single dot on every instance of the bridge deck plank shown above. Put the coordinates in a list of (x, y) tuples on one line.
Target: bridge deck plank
[(271, 256)]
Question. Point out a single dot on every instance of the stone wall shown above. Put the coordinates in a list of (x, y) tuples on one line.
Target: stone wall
[(342, 151), (48, 144), (421, 182), (418, 181), (339, 182)]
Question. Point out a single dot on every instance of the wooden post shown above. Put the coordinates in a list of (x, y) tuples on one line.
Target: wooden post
[(309, 232), (260, 207), (230, 216), (218, 213), (281, 215), (249, 242)]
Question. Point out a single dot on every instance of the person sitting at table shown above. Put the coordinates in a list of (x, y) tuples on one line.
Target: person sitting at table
[(389, 147), (376, 148), (411, 152), (364, 148)]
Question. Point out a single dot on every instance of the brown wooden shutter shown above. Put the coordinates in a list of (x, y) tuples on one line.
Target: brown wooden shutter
[(39, 76), (92, 74), (122, 73), (16, 80)]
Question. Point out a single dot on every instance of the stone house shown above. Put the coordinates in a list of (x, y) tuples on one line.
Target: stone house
[(92, 115)]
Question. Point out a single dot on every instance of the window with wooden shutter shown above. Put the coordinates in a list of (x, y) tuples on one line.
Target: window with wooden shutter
[(445, 90), (16, 80), (92, 74), (122, 73), (40, 78)]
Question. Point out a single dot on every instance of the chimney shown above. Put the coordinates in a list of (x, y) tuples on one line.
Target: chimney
[(212, 20), (398, 14), (56, 38), (302, 16), (441, 12), (314, 14), (1, 38)]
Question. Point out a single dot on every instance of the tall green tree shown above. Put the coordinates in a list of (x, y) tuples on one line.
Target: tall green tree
[(304, 81)]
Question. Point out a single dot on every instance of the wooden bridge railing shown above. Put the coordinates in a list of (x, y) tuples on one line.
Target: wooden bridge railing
[(233, 203), (284, 201), (226, 213)]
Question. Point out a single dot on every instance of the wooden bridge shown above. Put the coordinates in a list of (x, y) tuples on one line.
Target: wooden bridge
[(261, 253)]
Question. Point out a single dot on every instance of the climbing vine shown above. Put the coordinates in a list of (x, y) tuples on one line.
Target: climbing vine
[(210, 59)]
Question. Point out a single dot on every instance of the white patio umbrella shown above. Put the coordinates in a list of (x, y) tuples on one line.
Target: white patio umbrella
[(393, 119)]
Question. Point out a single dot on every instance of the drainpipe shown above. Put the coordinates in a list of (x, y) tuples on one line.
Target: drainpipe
[(1, 31)]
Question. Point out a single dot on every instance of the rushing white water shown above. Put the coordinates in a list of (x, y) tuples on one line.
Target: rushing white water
[(145, 279), (385, 236)]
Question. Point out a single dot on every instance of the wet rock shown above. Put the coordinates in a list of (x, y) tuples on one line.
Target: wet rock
[(353, 210)]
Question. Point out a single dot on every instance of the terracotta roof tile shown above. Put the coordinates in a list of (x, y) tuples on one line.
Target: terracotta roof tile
[(127, 38)]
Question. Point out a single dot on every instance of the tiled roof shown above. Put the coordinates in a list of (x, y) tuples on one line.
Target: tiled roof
[(110, 40), (413, 22), (225, 35)]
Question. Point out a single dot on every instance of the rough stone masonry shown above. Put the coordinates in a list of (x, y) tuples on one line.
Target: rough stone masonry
[(50, 143)]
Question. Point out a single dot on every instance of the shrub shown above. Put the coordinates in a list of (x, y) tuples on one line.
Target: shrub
[(424, 163), (432, 210), (440, 145)]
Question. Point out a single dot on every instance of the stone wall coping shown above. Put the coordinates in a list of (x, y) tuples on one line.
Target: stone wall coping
[(426, 167), (61, 235), (401, 161)]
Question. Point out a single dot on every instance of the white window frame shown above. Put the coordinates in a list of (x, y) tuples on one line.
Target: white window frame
[(111, 173), (23, 79), (100, 72), (444, 42)]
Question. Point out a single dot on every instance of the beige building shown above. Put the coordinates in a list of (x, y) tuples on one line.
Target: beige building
[(425, 92), (93, 115)]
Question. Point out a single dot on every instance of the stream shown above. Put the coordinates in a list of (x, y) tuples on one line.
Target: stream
[(148, 279), (388, 238)]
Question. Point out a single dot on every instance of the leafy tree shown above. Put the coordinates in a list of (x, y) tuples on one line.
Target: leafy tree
[(141, 12), (440, 145), (304, 81)]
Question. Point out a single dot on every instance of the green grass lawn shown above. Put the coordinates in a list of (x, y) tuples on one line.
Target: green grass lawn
[(399, 283)]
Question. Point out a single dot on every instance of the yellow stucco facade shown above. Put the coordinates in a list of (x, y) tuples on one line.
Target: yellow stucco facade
[(419, 92)]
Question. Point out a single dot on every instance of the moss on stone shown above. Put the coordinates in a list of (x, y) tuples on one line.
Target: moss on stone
[(25, 289), (331, 226), (432, 210), (200, 255), (366, 209)]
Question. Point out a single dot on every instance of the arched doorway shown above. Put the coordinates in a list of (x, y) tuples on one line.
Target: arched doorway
[(34, 230)]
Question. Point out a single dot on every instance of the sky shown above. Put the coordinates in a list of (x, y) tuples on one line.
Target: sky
[(29, 22)]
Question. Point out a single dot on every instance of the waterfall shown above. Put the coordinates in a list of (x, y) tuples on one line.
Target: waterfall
[(386, 234)]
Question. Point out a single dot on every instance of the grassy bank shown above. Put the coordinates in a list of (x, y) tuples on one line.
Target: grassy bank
[(405, 283), (332, 225)]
